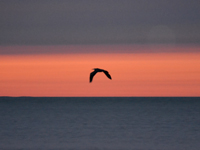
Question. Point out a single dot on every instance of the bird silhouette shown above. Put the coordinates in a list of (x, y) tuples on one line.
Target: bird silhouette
[(92, 74)]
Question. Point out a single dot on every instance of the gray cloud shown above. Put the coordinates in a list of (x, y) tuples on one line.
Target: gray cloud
[(55, 22)]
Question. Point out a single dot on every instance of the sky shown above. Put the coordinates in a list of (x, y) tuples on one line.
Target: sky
[(49, 47), (175, 73), (69, 22)]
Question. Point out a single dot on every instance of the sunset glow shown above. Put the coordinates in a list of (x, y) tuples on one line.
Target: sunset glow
[(133, 74)]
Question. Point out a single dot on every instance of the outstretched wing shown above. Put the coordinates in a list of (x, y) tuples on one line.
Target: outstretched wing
[(92, 75), (107, 74)]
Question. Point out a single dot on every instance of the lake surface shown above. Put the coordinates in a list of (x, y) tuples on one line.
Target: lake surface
[(99, 123)]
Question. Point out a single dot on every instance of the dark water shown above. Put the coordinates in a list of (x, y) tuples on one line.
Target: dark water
[(99, 123)]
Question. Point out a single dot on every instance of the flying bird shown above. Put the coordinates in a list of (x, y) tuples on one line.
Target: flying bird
[(92, 74)]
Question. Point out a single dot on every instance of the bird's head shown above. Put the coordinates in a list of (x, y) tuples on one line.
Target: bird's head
[(95, 68)]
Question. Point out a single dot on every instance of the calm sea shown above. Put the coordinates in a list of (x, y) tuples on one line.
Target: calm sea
[(99, 123)]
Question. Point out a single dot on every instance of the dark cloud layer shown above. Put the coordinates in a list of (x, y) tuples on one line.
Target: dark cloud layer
[(55, 22)]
